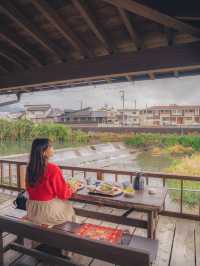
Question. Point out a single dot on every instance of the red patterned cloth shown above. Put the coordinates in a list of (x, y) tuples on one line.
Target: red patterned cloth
[(25, 219), (97, 232)]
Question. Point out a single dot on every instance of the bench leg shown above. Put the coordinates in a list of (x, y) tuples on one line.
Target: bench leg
[(150, 226), (1, 248)]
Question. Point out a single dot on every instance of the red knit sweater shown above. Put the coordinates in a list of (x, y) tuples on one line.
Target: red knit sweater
[(52, 186)]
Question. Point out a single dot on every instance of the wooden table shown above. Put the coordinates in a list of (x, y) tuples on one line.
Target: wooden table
[(142, 201)]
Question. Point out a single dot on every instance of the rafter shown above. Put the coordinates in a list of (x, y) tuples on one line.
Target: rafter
[(11, 58), (154, 15), (15, 15), (3, 69), (93, 24), (132, 32), (18, 45), (61, 26)]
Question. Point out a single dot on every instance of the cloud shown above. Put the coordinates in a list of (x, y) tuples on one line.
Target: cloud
[(183, 90)]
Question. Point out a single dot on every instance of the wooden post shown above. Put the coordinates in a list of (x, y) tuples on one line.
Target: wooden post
[(10, 174), (21, 176), (1, 248), (181, 202), (99, 175), (164, 184), (1, 172)]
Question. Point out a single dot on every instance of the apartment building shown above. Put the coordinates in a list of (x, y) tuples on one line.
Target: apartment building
[(171, 115)]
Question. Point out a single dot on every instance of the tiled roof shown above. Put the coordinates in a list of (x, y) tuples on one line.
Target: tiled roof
[(174, 106)]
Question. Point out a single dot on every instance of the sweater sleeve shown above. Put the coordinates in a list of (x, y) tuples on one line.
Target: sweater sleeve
[(61, 188)]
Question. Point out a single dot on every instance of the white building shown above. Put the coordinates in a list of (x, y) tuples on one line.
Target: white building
[(129, 117)]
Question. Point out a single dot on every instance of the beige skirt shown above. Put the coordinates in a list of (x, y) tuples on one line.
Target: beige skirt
[(51, 212)]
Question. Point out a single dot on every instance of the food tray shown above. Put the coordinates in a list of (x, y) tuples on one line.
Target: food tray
[(111, 194)]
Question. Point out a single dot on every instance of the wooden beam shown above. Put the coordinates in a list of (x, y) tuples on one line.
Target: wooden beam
[(151, 75), (171, 34), (15, 15), (154, 15), (195, 18), (130, 78), (61, 26), (6, 35), (132, 32), (84, 11), (156, 60)]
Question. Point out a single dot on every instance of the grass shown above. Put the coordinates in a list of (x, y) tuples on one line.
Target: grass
[(188, 165), (141, 140)]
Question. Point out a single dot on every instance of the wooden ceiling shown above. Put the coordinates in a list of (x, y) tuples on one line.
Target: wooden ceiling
[(38, 35)]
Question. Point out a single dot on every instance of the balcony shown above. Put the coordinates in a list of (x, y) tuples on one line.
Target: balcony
[(178, 229)]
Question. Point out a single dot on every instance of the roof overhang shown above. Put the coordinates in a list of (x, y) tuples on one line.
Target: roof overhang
[(158, 62)]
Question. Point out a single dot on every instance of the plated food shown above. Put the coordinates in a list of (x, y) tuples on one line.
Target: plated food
[(129, 192), (74, 182), (105, 189)]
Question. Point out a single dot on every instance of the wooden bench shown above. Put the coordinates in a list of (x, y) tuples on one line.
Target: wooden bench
[(133, 250)]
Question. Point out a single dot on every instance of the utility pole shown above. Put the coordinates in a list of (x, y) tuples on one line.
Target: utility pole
[(123, 104), (81, 105)]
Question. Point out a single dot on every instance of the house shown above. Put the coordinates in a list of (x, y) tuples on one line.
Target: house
[(85, 116), (42, 113)]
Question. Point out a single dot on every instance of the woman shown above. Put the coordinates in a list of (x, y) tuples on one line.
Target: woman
[(47, 189)]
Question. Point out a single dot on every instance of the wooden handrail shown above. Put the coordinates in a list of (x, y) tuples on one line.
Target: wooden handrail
[(100, 175), (159, 175)]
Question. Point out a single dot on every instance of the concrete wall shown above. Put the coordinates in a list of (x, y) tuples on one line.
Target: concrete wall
[(164, 130)]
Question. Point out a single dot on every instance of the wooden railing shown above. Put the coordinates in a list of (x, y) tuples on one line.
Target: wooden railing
[(12, 177)]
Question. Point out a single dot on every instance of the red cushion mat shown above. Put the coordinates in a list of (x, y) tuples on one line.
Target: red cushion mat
[(97, 232)]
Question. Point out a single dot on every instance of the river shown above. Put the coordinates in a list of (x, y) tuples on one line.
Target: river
[(105, 156)]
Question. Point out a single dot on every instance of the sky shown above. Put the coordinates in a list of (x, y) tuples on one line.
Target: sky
[(181, 90)]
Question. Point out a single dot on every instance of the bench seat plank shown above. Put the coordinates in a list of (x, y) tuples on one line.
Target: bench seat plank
[(119, 254), (149, 245)]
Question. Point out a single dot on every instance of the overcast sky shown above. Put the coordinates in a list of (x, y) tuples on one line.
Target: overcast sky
[(151, 92)]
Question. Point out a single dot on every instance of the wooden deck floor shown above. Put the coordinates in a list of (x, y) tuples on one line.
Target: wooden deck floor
[(179, 240)]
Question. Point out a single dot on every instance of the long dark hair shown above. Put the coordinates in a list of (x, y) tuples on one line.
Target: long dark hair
[(38, 161)]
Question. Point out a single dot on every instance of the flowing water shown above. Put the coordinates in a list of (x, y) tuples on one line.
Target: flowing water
[(109, 155)]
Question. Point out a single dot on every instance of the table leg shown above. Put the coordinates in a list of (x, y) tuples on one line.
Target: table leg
[(155, 224), (150, 226)]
